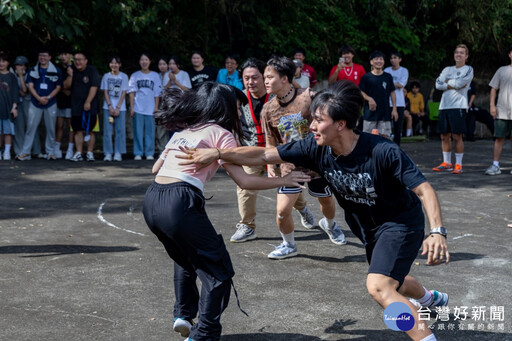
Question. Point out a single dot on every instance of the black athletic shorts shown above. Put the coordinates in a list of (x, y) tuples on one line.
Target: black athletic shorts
[(80, 122), (452, 121), (393, 253), (318, 188)]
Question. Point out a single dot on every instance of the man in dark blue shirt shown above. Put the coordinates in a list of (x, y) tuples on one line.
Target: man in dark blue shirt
[(380, 189)]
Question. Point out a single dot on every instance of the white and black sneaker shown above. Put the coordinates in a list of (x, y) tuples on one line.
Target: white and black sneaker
[(243, 233), (77, 157)]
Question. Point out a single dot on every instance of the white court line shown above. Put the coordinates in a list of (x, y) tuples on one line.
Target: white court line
[(464, 235), (103, 220)]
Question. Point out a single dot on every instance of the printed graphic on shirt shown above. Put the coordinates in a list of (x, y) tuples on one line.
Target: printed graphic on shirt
[(179, 140), (384, 85), (293, 127), (114, 87), (358, 188), (145, 83), (4, 86)]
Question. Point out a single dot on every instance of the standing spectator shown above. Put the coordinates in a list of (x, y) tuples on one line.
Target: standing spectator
[(161, 133), (44, 83), (454, 82), (144, 88), (250, 120), (84, 81), (299, 80), (377, 88), (417, 109), (114, 85), (502, 111), (176, 78), (400, 77), (229, 75), (9, 99), (20, 123), (64, 109), (200, 73), (346, 68), (307, 70)]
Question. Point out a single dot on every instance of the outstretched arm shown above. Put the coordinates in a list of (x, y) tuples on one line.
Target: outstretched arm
[(248, 156), (252, 182), (435, 245)]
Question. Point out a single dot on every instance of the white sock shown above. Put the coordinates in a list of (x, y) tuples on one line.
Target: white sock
[(289, 238), (458, 158), (71, 146), (496, 163), (431, 337), (7, 149), (330, 222), (447, 157), (409, 132), (427, 298)]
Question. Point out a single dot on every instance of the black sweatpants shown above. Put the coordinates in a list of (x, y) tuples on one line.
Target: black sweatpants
[(175, 213)]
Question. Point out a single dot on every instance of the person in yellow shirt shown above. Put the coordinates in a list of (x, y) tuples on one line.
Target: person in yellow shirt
[(417, 109)]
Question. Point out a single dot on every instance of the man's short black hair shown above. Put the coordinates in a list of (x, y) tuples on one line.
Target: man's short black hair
[(377, 54), (299, 50), (255, 63), (284, 66), (415, 84), (347, 49), (396, 53), (233, 56)]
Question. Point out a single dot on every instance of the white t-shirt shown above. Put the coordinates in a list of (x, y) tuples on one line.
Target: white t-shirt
[(400, 75), (146, 87), (182, 78), (502, 81), (459, 79), (115, 86), (303, 81)]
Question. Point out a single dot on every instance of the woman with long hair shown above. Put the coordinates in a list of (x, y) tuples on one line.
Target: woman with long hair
[(174, 205)]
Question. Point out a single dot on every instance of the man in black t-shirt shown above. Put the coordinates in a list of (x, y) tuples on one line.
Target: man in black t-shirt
[(377, 88), (380, 189), (84, 81)]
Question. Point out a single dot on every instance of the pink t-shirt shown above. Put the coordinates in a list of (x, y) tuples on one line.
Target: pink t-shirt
[(206, 136)]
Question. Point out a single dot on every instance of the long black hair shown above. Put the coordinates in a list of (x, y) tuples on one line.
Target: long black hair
[(209, 103)]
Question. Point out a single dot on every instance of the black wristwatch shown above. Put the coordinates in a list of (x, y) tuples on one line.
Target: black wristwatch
[(439, 230)]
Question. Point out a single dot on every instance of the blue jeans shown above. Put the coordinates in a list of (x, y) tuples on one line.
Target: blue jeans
[(143, 128), (120, 133)]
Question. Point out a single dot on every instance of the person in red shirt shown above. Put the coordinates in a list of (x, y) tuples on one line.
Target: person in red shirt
[(307, 70), (346, 68)]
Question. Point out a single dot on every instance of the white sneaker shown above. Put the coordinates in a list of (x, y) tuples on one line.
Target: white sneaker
[(307, 218), (108, 157), (42, 156), (77, 157), (118, 157), (90, 156), (182, 326), (284, 250), (7, 156), (137, 158), (69, 154), (58, 153), (493, 170), (335, 234), (243, 234), (150, 157)]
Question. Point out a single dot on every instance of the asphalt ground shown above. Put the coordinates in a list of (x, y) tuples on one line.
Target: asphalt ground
[(78, 262)]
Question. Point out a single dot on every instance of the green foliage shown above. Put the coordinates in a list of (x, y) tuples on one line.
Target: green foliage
[(425, 31)]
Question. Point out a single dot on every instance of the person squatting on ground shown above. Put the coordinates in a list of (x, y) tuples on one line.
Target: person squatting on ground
[(286, 118), (378, 186), (501, 111), (453, 81), (114, 85), (174, 205)]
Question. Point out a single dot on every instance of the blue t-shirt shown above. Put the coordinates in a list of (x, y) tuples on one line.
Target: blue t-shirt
[(234, 79), (47, 81), (372, 184), (379, 88)]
